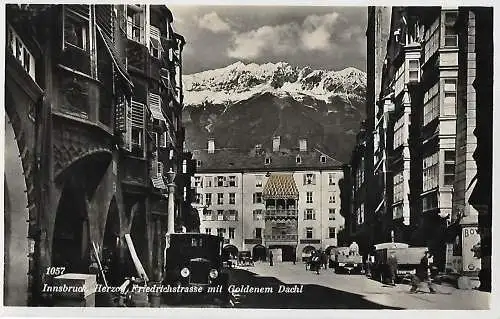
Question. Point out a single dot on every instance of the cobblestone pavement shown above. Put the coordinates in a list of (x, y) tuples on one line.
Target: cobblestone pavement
[(330, 290)]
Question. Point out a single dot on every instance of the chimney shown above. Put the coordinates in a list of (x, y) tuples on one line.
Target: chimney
[(303, 145), (276, 143), (211, 146)]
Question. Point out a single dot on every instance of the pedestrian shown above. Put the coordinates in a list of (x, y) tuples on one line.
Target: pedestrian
[(316, 261), (392, 265), (369, 264), (422, 274), (353, 249), (270, 258), (294, 259)]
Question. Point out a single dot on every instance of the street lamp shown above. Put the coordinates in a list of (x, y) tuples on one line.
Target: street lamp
[(171, 208)]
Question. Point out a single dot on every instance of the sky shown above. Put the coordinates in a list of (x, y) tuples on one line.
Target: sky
[(321, 37)]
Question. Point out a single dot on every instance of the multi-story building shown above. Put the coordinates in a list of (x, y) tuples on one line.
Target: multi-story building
[(368, 188), (93, 101), (424, 125), (282, 199)]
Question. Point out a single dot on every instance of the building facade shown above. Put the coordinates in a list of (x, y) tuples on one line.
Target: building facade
[(94, 146), (287, 200), (424, 132)]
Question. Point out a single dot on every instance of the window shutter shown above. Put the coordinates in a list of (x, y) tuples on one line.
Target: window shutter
[(236, 181), (128, 126), (215, 180), (154, 165), (314, 179), (225, 182), (137, 114), (160, 169), (163, 139), (305, 178)]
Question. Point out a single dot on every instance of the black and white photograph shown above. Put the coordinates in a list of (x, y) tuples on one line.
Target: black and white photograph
[(247, 156)]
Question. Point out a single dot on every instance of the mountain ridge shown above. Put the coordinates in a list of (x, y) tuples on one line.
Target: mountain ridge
[(242, 105)]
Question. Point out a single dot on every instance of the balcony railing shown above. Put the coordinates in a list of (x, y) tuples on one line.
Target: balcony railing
[(281, 213), (287, 237)]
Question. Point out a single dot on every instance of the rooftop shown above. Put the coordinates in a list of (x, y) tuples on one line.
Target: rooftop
[(223, 160)]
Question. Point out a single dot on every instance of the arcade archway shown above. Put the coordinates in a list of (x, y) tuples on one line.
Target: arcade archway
[(71, 240), (307, 251), (230, 250), (259, 253), (15, 225)]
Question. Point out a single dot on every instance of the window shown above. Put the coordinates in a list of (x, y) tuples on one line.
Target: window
[(431, 38), (208, 199), (429, 201), (232, 181), (430, 172), (298, 160), (431, 104), (220, 181), (220, 214), (233, 214), (399, 132), (208, 231), (413, 70), (232, 198), (309, 197), (135, 21), (309, 179), (309, 214), (75, 31), (331, 179), (450, 97), (220, 199), (207, 214), (331, 214), (160, 169), (331, 197), (257, 214), (257, 198), (258, 180), (331, 232), (208, 181), (154, 42), (450, 33), (258, 232), (184, 166), (163, 139), (231, 233), (199, 198), (398, 187), (267, 161), (449, 167), (19, 50), (137, 137), (322, 159), (198, 181), (309, 232), (198, 163), (221, 232), (361, 214)]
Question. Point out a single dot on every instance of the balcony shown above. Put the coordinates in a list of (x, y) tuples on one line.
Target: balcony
[(287, 237), (290, 213)]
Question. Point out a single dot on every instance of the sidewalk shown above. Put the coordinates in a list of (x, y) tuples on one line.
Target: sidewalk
[(399, 296)]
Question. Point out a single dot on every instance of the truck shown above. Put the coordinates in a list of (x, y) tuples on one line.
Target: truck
[(408, 260), (345, 262)]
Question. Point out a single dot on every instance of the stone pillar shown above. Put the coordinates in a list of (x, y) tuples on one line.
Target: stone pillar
[(171, 209)]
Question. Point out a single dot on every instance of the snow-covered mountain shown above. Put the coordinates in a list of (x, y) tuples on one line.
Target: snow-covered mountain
[(242, 105), (239, 81)]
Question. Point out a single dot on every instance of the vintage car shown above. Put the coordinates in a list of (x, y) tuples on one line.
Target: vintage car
[(245, 258), (194, 264)]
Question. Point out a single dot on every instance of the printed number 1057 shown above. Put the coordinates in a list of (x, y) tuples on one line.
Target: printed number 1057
[(55, 271)]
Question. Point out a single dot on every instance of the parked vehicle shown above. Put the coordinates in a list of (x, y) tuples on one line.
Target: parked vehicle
[(245, 258), (346, 262), (195, 259), (408, 259)]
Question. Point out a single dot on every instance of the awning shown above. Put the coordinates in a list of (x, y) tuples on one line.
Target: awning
[(158, 182), (114, 56), (280, 186)]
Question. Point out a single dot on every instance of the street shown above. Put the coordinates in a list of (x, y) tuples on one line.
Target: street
[(338, 291)]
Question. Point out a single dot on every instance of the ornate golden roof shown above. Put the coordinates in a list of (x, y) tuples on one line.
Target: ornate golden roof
[(280, 186)]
